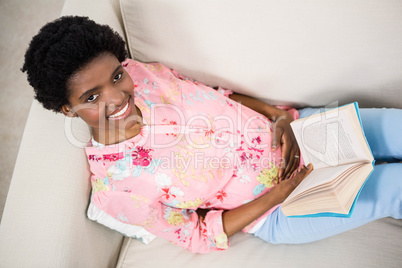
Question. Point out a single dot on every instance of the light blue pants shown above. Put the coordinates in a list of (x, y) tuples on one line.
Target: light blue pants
[(380, 197)]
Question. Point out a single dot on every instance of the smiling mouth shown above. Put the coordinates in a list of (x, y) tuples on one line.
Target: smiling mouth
[(121, 113)]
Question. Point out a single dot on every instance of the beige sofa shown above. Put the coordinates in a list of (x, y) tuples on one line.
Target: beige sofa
[(286, 52)]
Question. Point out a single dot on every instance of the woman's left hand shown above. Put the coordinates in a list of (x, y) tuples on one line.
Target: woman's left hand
[(283, 136)]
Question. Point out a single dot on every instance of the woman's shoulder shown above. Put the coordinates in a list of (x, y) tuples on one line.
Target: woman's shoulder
[(153, 67)]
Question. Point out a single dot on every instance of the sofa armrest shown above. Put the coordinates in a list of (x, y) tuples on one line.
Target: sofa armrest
[(44, 222)]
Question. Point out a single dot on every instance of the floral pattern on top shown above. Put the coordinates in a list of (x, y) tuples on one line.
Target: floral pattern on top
[(197, 150)]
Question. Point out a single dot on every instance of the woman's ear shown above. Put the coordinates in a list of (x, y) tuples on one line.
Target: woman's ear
[(67, 111)]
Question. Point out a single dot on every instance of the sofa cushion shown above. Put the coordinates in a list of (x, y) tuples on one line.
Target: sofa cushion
[(288, 52), (376, 244)]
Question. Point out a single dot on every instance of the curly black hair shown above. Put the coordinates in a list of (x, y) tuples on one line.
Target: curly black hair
[(62, 48)]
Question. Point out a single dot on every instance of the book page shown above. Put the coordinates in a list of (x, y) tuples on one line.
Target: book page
[(336, 195), (331, 138), (318, 177)]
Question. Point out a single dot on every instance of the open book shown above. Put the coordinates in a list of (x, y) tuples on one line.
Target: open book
[(334, 142)]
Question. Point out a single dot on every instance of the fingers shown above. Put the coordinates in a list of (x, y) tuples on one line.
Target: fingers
[(291, 159), (292, 162), (303, 172), (286, 161), (283, 135), (296, 160), (276, 137)]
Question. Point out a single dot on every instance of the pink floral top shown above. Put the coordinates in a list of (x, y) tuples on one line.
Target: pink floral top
[(197, 150)]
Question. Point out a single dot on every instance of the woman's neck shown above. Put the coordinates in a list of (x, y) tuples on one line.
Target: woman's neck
[(117, 136)]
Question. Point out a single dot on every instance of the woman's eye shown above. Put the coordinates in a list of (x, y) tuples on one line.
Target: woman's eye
[(117, 77), (92, 98)]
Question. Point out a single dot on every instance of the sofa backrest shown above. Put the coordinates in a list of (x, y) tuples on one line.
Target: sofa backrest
[(289, 52)]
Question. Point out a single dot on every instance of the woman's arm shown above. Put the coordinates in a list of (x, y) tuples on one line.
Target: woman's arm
[(236, 219), (283, 133)]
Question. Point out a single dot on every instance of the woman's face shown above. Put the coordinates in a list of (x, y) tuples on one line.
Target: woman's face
[(102, 95)]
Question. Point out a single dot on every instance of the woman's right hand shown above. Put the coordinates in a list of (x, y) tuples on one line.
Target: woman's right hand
[(236, 219), (285, 187)]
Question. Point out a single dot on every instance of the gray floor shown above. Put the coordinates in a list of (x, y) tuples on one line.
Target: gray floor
[(19, 21)]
